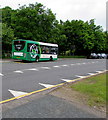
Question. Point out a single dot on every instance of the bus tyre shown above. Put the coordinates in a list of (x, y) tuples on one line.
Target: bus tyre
[(51, 58), (37, 59)]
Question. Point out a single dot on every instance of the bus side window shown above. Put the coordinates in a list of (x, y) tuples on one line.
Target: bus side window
[(47, 50), (42, 49), (54, 50)]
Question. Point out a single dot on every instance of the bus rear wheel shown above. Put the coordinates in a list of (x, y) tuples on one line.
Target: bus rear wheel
[(37, 59), (51, 58)]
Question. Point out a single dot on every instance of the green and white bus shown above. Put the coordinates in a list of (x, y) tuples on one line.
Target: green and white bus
[(29, 50)]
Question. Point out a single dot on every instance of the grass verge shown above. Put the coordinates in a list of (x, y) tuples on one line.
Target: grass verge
[(94, 89)]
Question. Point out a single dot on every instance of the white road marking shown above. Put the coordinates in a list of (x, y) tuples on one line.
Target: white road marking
[(46, 85), (99, 71), (72, 64), (56, 66), (64, 65), (33, 69), (91, 73), (45, 67), (18, 71), (78, 63), (17, 93), (83, 63), (66, 80), (1, 74), (79, 76)]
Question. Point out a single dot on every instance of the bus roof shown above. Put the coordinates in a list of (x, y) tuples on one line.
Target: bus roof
[(48, 44), (40, 43)]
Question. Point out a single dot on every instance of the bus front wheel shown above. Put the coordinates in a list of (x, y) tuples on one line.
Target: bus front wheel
[(37, 59)]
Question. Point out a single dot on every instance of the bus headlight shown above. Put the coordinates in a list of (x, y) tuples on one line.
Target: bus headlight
[(24, 54)]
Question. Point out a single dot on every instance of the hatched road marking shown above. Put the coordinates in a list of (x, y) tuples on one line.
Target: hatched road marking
[(16, 93), (99, 71), (46, 85), (91, 73), (80, 76), (66, 80)]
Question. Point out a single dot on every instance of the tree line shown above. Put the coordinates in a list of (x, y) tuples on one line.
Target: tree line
[(35, 22)]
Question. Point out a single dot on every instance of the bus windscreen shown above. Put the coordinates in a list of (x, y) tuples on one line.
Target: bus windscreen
[(19, 45)]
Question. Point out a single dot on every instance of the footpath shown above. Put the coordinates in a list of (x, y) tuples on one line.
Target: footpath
[(54, 103)]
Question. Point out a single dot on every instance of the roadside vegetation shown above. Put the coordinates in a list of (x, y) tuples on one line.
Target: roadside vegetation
[(94, 90), (38, 23)]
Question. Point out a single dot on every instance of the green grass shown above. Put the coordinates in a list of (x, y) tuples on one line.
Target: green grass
[(71, 57), (94, 88)]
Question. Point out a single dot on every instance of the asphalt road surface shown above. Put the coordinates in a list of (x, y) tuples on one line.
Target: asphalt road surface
[(20, 78), (28, 77)]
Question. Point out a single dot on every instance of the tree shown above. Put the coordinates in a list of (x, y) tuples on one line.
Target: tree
[(6, 15), (33, 22), (7, 37)]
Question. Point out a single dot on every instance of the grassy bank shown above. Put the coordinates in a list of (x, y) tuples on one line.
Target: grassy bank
[(94, 90)]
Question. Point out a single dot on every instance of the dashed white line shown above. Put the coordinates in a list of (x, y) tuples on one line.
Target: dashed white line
[(18, 71), (33, 69), (56, 66), (1, 74), (64, 65), (78, 63), (45, 67), (72, 64)]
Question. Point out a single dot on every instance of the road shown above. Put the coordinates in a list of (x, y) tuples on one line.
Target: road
[(28, 77), (19, 78)]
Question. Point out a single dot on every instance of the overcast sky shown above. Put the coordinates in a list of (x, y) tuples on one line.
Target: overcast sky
[(69, 9)]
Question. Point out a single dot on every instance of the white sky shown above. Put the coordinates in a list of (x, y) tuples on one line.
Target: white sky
[(69, 9)]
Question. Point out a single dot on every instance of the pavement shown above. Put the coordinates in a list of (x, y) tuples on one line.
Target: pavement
[(45, 105)]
